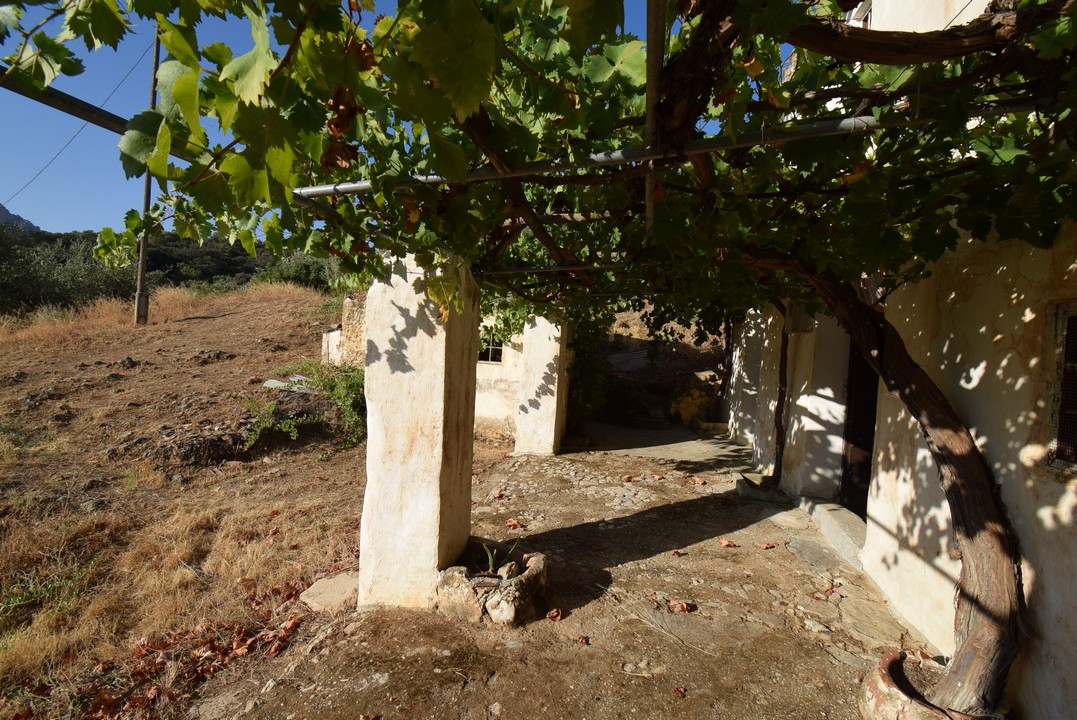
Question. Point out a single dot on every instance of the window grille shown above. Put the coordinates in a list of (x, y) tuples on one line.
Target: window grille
[(491, 352), (1066, 416)]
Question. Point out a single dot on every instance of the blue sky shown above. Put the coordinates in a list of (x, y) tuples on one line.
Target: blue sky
[(84, 188)]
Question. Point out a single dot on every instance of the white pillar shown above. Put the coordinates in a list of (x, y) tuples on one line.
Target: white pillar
[(540, 418), (420, 395)]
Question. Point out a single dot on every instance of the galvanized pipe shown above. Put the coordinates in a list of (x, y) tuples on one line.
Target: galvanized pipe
[(809, 131)]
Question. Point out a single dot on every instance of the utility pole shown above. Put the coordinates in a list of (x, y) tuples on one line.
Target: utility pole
[(142, 294)]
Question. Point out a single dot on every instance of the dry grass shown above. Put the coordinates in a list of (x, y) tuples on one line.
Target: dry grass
[(96, 553), (149, 567), (56, 327)]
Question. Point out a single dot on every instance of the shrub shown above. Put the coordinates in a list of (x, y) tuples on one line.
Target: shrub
[(344, 388), (299, 269)]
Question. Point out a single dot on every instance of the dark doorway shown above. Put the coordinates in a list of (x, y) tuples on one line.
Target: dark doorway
[(861, 398)]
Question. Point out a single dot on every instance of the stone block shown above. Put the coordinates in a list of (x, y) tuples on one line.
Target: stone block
[(332, 594), (506, 599)]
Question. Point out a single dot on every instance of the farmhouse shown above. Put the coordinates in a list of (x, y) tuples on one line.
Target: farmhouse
[(995, 325)]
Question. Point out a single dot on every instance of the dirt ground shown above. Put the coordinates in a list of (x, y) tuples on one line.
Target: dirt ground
[(677, 598)]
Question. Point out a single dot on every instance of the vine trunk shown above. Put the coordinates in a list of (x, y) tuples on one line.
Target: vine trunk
[(988, 591)]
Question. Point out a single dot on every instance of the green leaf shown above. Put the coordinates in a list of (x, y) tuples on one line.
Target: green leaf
[(43, 60), (158, 160), (274, 234), (619, 65), (185, 94), (250, 185), (250, 72), (279, 161), (1055, 39), (97, 22), (218, 53), (412, 96), (999, 150), (140, 140), (445, 52), (589, 20), (167, 73), (222, 102), (179, 40), (9, 20), (447, 158), (115, 251)]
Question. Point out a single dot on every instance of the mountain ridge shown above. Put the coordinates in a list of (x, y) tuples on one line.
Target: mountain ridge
[(9, 218)]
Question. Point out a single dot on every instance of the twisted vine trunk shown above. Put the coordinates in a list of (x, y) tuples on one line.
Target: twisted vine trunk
[(988, 590)]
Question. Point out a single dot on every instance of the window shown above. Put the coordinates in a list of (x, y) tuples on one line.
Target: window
[(491, 352), (1065, 435), (860, 16)]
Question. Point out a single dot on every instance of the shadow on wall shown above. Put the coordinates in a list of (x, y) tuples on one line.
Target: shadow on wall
[(407, 327), (546, 388), (985, 326)]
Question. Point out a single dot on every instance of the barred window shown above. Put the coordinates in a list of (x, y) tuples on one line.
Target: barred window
[(491, 352), (1066, 402)]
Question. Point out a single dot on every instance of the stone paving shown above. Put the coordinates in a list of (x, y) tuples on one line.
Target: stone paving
[(674, 597)]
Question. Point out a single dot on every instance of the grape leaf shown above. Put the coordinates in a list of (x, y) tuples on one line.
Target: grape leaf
[(250, 185), (9, 20), (97, 22), (589, 20), (618, 66), (447, 158), (179, 40), (138, 143), (250, 71), (468, 42)]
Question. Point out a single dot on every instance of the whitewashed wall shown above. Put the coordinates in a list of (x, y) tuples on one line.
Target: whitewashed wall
[(815, 410), (753, 385), (497, 388), (983, 325)]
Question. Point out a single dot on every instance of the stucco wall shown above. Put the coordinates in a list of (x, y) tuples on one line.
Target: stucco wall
[(815, 401), (913, 15), (983, 325), (815, 411), (497, 387), (753, 385)]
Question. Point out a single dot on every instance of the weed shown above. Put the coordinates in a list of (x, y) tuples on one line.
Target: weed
[(53, 588), (492, 554), (329, 312), (267, 421), (344, 387), (11, 439)]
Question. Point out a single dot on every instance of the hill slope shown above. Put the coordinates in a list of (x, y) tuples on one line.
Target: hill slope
[(9, 218)]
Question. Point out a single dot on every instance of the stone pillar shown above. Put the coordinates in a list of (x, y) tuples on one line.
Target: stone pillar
[(540, 418), (420, 395)]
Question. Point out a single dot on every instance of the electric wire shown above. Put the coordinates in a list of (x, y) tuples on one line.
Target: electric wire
[(59, 152)]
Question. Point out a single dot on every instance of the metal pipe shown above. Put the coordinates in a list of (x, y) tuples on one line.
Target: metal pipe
[(809, 131)]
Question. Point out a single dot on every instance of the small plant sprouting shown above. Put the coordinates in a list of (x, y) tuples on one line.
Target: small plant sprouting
[(492, 554), (266, 420)]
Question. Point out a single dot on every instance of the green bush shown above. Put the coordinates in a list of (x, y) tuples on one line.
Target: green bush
[(267, 424), (39, 268), (298, 269), (344, 387)]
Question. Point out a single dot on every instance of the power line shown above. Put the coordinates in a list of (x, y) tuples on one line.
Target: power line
[(59, 152)]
